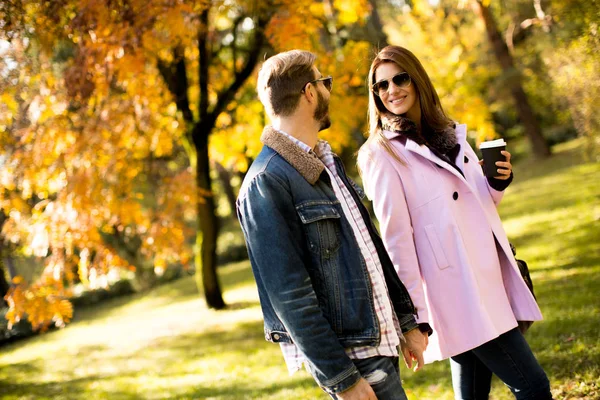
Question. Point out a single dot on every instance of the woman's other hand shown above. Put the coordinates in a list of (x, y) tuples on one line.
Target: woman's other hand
[(504, 167)]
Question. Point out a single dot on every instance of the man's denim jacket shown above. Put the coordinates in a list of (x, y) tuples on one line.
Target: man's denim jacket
[(312, 280)]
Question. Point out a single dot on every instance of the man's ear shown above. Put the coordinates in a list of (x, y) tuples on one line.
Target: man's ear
[(309, 93)]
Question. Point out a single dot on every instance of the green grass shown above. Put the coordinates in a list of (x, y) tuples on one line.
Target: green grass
[(166, 344)]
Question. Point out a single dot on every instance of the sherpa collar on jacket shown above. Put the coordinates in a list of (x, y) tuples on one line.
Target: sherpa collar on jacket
[(307, 164)]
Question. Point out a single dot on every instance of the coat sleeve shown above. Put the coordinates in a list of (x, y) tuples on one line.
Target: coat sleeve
[(265, 213), (495, 187), (384, 186)]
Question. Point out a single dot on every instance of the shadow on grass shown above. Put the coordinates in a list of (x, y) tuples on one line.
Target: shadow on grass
[(237, 391), (231, 277), (225, 362), (555, 190), (571, 249), (241, 305), (243, 339), (566, 342), (565, 155), (72, 389), (236, 274)]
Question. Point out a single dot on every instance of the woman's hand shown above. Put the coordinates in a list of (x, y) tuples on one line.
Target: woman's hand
[(504, 167), (413, 348)]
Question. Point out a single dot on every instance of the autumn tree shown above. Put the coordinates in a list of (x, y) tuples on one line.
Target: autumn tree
[(514, 80), (100, 100), (232, 51), (571, 55), (210, 52), (76, 147), (243, 37)]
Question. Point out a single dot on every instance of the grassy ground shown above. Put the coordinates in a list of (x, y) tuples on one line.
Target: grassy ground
[(166, 344)]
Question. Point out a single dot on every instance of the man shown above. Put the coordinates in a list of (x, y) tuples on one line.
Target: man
[(328, 290)]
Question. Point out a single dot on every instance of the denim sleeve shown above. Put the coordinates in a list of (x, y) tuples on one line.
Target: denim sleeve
[(267, 215), (408, 323)]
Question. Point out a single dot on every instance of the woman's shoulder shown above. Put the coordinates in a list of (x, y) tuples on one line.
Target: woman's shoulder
[(381, 150), (378, 142)]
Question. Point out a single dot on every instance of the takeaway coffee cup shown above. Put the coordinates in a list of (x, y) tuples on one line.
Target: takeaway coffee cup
[(490, 151)]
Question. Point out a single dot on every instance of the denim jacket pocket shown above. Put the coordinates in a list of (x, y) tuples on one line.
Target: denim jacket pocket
[(321, 220), (436, 246)]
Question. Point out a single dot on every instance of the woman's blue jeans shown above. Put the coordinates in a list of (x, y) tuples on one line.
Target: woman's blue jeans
[(508, 357), (383, 374)]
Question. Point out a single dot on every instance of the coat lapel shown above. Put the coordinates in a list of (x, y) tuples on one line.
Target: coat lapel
[(424, 151), (461, 138)]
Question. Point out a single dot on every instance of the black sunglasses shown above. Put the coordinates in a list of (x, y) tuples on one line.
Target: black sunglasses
[(327, 82), (401, 80)]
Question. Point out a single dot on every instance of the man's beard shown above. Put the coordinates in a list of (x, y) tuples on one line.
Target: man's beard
[(322, 112)]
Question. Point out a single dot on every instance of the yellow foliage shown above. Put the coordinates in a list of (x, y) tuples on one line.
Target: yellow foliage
[(448, 59), (295, 26), (42, 303), (351, 11)]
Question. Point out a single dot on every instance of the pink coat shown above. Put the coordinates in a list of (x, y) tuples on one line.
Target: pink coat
[(439, 230)]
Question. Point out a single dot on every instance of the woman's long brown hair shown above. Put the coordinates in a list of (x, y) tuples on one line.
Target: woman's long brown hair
[(433, 116)]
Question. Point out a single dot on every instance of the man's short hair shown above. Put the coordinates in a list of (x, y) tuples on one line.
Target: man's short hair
[(282, 78)]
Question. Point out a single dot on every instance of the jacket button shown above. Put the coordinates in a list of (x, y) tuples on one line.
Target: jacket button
[(455, 195), (276, 336), (466, 159)]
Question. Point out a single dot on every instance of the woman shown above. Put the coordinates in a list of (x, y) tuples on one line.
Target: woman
[(438, 218)]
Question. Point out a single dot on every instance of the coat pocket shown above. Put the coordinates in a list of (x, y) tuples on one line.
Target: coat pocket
[(322, 226), (436, 247)]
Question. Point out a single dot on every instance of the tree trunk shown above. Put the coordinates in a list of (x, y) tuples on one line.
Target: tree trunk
[(6, 266), (196, 138), (207, 232), (374, 27), (4, 284), (532, 128), (225, 178)]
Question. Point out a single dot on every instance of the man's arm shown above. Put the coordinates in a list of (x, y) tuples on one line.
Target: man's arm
[(267, 216)]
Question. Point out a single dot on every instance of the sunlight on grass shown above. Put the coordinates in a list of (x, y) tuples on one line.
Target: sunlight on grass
[(166, 344), (553, 218), (155, 347)]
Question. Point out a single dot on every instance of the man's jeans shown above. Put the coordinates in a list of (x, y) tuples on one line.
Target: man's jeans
[(510, 358), (383, 374)]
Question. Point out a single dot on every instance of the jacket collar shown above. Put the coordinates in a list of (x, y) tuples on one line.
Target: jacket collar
[(424, 151), (307, 164)]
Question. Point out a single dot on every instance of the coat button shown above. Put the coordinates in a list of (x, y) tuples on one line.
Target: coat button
[(455, 195), (466, 159), (276, 336)]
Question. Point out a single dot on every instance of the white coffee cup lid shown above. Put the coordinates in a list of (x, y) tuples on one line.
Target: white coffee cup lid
[(492, 143)]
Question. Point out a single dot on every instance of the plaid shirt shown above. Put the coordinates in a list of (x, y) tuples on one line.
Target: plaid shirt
[(388, 323)]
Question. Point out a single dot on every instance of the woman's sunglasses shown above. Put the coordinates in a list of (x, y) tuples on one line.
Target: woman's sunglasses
[(401, 80)]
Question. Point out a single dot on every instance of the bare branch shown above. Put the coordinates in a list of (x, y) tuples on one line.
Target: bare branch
[(175, 76)]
